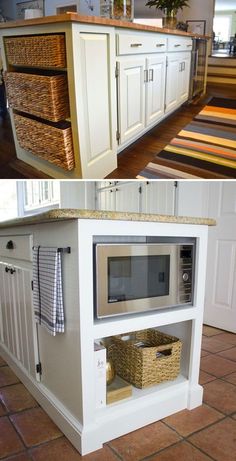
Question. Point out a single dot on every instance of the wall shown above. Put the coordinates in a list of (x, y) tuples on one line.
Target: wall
[(143, 11), (51, 5), (233, 15), (8, 202), (198, 10)]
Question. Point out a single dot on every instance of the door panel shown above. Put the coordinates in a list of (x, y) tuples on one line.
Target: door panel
[(155, 99), (220, 305), (172, 77), (131, 89), (184, 79)]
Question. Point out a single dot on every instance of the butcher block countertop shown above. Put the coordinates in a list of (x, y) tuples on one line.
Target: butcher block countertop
[(69, 214), (96, 20)]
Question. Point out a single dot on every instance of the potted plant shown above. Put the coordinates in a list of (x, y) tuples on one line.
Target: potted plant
[(122, 9), (170, 8)]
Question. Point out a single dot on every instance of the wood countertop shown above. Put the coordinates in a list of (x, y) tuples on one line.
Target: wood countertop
[(96, 20), (71, 214)]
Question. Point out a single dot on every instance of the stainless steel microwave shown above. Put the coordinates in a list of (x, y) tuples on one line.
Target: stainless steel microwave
[(131, 278)]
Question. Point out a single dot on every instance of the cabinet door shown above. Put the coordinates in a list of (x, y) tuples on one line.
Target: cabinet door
[(172, 85), (184, 78), (105, 200), (19, 333), (128, 197), (155, 96), (158, 197), (131, 96)]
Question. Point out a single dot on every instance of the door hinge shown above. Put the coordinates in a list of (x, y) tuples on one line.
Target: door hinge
[(39, 368), (117, 135), (176, 184), (140, 189), (32, 285), (117, 72)]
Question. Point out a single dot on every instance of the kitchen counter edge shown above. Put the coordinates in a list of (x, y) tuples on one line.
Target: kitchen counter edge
[(70, 214)]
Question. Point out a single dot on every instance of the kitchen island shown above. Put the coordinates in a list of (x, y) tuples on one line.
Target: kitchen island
[(81, 89), (59, 370)]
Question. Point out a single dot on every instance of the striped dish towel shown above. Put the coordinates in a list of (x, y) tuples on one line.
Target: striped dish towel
[(47, 289)]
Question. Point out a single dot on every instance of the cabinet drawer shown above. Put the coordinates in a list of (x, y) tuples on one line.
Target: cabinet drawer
[(36, 50), (17, 246), (138, 44), (40, 95), (179, 44)]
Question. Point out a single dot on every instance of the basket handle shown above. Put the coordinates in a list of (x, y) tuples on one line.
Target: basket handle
[(165, 348)]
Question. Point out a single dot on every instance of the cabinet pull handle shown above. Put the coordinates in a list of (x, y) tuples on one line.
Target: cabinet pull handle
[(189, 45), (10, 245), (177, 45), (145, 76), (183, 66), (7, 269), (151, 75), (12, 271), (180, 67), (160, 44), (135, 45)]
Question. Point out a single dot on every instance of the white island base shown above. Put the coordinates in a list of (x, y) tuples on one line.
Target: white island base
[(66, 387)]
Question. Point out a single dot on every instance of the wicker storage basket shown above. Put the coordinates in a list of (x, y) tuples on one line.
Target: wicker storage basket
[(36, 50), (46, 141), (146, 357), (39, 95)]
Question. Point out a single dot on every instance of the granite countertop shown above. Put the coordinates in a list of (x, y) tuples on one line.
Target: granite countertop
[(96, 20), (69, 214)]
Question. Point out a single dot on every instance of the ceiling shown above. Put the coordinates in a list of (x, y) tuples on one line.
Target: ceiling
[(225, 5)]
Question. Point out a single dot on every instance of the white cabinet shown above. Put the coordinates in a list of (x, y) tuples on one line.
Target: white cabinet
[(18, 330), (131, 91), (158, 197), (141, 93), (177, 80)]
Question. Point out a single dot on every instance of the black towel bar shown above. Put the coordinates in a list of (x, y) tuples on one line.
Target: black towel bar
[(61, 250)]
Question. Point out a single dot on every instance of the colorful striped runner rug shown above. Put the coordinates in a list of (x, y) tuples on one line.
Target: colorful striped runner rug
[(205, 148)]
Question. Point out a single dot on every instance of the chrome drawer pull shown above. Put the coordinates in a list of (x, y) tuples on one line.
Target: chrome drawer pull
[(135, 45), (189, 45), (151, 75), (177, 46), (160, 44), (145, 76)]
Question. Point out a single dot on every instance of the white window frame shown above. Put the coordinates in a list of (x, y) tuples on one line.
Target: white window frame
[(35, 202)]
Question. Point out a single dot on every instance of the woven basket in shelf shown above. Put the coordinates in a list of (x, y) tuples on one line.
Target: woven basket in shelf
[(46, 141), (158, 360), (39, 95), (36, 50)]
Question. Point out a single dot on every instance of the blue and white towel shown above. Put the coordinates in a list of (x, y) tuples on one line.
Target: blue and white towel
[(47, 289)]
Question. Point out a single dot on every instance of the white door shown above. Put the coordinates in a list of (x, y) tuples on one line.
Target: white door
[(172, 82), (220, 304), (128, 197), (158, 197), (155, 95), (105, 199), (131, 97), (184, 78), (19, 333)]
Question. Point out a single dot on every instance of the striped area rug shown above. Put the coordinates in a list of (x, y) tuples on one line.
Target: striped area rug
[(205, 148)]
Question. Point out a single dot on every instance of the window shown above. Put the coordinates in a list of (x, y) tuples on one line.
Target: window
[(222, 28), (37, 196)]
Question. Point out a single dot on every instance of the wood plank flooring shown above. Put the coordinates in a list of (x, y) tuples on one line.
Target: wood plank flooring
[(132, 160)]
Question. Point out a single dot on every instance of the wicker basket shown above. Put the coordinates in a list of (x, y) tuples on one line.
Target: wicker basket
[(46, 141), (39, 95), (36, 50), (146, 357)]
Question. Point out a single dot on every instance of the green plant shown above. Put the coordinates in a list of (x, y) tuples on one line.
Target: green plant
[(168, 5)]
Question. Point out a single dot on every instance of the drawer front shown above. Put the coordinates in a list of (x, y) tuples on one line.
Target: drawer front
[(179, 44), (36, 50), (138, 44), (16, 246)]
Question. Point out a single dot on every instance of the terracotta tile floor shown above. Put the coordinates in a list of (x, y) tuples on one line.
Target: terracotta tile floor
[(204, 434)]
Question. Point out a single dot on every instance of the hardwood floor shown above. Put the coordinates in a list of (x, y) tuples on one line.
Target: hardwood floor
[(132, 160)]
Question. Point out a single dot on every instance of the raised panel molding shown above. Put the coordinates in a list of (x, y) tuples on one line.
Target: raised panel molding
[(224, 280), (228, 198)]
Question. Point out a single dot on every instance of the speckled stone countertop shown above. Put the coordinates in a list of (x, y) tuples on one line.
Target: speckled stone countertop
[(67, 214), (96, 20)]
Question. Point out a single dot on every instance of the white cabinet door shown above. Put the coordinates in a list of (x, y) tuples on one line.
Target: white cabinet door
[(96, 106), (18, 333), (128, 197), (106, 199), (184, 78), (131, 96), (155, 95), (172, 82), (220, 301), (158, 197)]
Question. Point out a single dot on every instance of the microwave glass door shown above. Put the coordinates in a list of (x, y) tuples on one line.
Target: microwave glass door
[(138, 277), (134, 278)]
